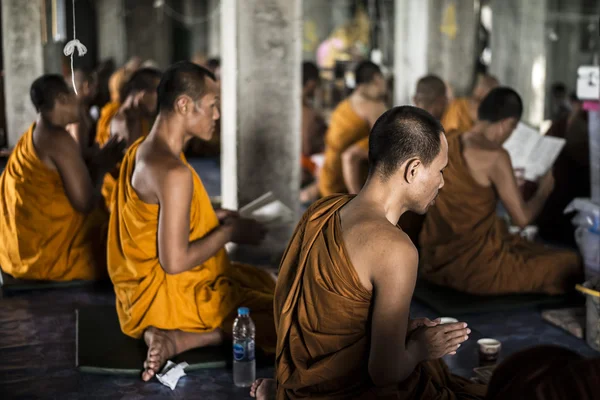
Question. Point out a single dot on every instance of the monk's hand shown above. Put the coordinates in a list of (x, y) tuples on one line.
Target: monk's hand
[(437, 341), (223, 214), (414, 324), (245, 230)]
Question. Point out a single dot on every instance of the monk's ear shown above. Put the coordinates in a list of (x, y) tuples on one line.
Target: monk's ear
[(412, 169), (183, 104)]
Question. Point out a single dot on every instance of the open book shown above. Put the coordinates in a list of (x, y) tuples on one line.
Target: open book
[(532, 152), (268, 210)]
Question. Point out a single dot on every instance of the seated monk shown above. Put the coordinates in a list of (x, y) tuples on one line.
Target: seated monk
[(462, 112), (84, 130), (313, 131), (351, 122), (51, 225), (464, 244), (173, 281), (118, 79), (432, 96), (346, 282), (128, 120)]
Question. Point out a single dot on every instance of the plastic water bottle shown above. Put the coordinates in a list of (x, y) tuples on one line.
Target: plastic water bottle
[(244, 365)]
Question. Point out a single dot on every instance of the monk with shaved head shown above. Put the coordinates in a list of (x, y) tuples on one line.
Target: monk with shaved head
[(462, 112), (173, 280)]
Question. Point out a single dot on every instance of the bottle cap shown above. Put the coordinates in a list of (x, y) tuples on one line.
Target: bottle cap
[(243, 311)]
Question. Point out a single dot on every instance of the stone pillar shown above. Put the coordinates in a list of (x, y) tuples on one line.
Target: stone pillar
[(261, 105), (518, 45), (112, 42), (148, 32), (23, 62), (214, 28), (411, 21), (452, 41)]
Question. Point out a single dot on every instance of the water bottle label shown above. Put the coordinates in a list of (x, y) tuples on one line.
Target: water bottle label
[(243, 350)]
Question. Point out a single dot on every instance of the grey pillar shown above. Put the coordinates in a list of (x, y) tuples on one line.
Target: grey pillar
[(149, 33), (452, 42), (23, 62), (214, 28), (261, 104), (198, 25), (411, 20), (519, 52), (112, 43)]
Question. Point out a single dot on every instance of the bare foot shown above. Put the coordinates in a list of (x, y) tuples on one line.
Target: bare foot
[(264, 389), (163, 344)]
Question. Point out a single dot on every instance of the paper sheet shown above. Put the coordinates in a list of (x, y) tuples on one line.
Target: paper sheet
[(533, 152), (267, 210), (171, 373)]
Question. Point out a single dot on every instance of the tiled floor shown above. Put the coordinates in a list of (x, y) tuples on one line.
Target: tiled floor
[(37, 343)]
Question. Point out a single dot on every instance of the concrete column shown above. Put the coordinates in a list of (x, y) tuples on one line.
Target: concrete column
[(411, 22), (519, 52), (214, 28), (261, 105), (23, 62), (452, 41), (148, 31), (112, 43)]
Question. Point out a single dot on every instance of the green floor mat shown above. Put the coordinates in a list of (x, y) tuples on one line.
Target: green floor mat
[(449, 302), (10, 284), (103, 349)]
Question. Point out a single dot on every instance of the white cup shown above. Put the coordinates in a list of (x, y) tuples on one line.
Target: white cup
[(489, 350), (447, 320)]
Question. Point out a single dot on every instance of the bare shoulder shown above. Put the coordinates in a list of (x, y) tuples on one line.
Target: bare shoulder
[(52, 144), (157, 171)]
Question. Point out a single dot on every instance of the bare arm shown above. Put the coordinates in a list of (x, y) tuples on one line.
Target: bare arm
[(82, 186), (503, 178), (176, 253), (391, 358), (352, 159)]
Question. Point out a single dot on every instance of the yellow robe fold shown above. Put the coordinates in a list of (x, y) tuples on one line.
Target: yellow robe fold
[(345, 129), (107, 113), (322, 314), (466, 246), (199, 300), (457, 117), (41, 236)]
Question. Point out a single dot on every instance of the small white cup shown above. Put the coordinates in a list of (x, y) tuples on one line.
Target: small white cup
[(489, 350), (447, 320)]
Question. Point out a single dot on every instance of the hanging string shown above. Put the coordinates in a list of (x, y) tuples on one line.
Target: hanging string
[(70, 47)]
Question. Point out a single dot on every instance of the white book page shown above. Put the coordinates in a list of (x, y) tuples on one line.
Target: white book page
[(521, 144), (542, 158)]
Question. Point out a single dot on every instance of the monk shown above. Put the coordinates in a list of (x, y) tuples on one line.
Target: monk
[(313, 131), (464, 244), (121, 76), (128, 120), (351, 122), (431, 95), (84, 130), (462, 112), (346, 281), (173, 281), (51, 227)]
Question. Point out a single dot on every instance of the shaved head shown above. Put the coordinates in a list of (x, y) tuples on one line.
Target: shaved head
[(400, 134), (429, 89), (484, 84), (45, 90), (501, 103), (182, 78), (145, 79)]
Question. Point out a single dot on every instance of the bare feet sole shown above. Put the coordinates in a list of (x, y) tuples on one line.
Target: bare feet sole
[(264, 389), (161, 346)]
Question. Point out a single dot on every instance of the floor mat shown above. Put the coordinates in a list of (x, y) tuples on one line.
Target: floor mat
[(103, 349), (449, 302), (10, 284)]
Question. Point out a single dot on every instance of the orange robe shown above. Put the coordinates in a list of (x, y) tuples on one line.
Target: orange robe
[(457, 117), (199, 300), (115, 84), (41, 236), (466, 246), (107, 113), (322, 315), (345, 129)]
